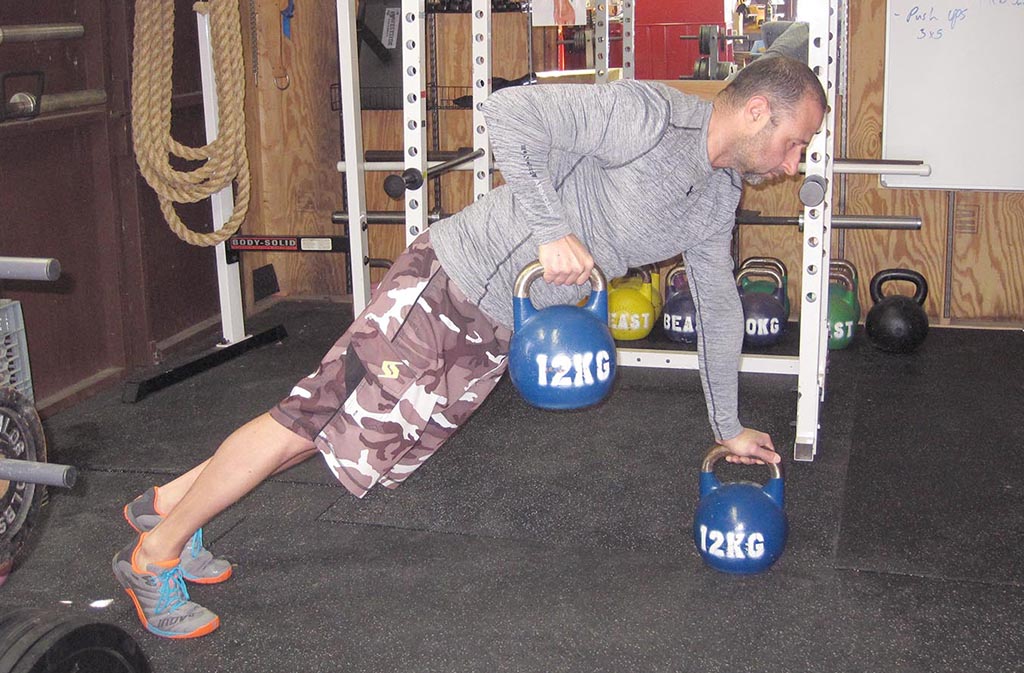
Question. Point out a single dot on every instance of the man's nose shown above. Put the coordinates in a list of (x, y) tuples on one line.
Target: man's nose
[(791, 164)]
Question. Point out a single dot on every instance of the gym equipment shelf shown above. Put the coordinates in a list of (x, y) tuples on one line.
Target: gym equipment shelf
[(809, 362)]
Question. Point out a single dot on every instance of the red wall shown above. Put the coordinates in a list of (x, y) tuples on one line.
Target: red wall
[(660, 54)]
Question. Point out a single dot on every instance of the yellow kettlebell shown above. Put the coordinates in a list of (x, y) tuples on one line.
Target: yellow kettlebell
[(656, 299), (631, 313)]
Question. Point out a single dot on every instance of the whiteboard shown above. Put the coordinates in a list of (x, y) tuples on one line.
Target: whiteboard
[(954, 92)]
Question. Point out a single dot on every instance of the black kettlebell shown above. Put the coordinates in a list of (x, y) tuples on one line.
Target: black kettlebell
[(897, 324)]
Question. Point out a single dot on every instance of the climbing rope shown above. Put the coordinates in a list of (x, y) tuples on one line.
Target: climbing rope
[(225, 159)]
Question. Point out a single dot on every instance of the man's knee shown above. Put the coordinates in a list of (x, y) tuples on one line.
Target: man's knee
[(288, 443)]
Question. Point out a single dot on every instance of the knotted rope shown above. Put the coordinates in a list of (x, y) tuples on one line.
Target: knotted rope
[(225, 158)]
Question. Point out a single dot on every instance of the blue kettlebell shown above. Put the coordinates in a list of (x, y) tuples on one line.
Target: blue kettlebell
[(739, 527), (764, 313), (561, 357), (679, 317)]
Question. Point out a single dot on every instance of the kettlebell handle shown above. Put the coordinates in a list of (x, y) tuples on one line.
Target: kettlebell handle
[(760, 271), (774, 488), (717, 452), (844, 266), (535, 270), (843, 279), (641, 272), (677, 269), (886, 275), (770, 262)]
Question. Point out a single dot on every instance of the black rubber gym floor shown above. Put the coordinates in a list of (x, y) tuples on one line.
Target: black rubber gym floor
[(540, 541)]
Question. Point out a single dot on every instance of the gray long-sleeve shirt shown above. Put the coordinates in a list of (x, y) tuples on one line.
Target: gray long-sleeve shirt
[(624, 167)]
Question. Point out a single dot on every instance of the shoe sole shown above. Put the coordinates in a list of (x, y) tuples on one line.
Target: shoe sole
[(206, 629), (209, 580), (223, 577)]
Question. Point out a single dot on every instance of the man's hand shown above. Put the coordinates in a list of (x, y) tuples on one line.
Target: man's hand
[(566, 261), (751, 447)]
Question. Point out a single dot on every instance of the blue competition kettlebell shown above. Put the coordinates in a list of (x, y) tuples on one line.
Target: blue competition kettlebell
[(561, 357), (739, 527)]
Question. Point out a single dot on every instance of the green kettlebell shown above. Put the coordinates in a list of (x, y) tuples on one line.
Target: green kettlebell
[(767, 286), (843, 304), (843, 315), (846, 267)]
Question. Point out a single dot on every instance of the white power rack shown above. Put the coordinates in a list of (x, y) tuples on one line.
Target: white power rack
[(809, 366)]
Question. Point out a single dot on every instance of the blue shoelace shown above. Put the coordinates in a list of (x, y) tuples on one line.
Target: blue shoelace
[(195, 546), (173, 593)]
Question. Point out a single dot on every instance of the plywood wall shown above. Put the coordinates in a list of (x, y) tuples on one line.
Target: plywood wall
[(981, 251), (293, 140), (294, 137), (871, 251)]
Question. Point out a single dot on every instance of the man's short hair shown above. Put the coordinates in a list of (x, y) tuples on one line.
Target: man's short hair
[(784, 81)]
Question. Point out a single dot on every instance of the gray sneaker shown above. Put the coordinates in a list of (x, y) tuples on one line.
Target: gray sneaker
[(161, 598), (197, 563)]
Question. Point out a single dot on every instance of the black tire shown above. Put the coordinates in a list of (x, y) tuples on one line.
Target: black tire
[(21, 436)]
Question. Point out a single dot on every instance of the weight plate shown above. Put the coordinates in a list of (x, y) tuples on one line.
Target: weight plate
[(700, 68), (79, 644), (705, 41), (21, 436), (19, 635)]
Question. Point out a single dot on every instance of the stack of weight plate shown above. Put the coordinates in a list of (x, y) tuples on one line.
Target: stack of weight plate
[(49, 641)]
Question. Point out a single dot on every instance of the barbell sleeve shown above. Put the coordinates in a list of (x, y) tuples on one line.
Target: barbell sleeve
[(26, 105), (29, 268), (389, 166), (720, 37), (41, 31), (377, 156), (383, 217), (875, 222), (838, 221), (878, 167), (34, 472), (813, 190)]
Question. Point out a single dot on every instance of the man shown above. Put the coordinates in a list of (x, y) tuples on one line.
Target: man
[(624, 174)]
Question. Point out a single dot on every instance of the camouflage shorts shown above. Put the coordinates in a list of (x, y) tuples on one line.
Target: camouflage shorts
[(407, 373)]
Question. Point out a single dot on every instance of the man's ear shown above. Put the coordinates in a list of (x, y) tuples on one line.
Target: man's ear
[(757, 112)]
